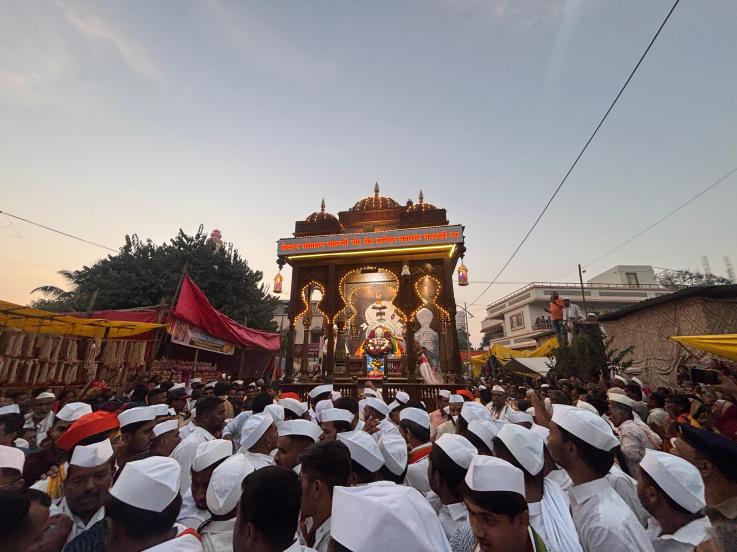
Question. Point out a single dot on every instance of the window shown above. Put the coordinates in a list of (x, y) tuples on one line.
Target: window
[(517, 321), (632, 279), (315, 337)]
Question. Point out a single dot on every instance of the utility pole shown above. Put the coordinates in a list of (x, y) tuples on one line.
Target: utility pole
[(583, 295), (468, 340)]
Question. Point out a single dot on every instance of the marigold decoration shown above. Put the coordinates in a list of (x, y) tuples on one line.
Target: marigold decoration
[(278, 279), (462, 275)]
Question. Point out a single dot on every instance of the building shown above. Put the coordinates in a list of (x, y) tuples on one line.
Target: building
[(649, 324), (519, 320)]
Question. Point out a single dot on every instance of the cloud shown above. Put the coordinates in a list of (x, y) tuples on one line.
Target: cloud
[(264, 47), (132, 53), (527, 13)]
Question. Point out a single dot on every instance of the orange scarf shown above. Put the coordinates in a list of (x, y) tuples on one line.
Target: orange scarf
[(418, 455)]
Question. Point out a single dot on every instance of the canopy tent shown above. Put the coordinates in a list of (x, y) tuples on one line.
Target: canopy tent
[(44, 322), (530, 367), (504, 354), (723, 345), (193, 307)]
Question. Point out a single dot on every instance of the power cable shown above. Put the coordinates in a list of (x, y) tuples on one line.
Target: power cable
[(580, 154), (58, 231), (661, 219)]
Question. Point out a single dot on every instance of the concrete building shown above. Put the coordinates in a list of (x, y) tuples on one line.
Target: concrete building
[(519, 320)]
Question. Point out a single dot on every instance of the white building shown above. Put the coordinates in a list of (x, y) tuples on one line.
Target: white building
[(518, 320)]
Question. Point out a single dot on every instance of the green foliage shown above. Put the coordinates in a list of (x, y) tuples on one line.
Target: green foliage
[(143, 273), (464, 340), (486, 340), (679, 279)]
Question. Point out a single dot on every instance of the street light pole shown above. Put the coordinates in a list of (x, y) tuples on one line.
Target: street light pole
[(468, 339), (583, 295)]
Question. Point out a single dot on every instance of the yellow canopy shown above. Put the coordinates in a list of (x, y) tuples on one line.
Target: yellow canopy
[(41, 321), (723, 345), (504, 354)]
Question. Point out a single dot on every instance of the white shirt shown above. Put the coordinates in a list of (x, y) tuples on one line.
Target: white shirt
[(42, 427), (217, 536), (322, 537), (60, 506), (259, 460), (684, 540), (626, 487), (603, 521), (634, 443), (452, 517), (551, 519), (185, 453), (502, 414), (190, 515), (417, 475), (296, 547), (181, 543), (573, 312), (186, 430)]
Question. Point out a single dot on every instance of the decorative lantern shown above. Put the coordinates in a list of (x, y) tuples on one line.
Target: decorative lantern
[(462, 275), (278, 279)]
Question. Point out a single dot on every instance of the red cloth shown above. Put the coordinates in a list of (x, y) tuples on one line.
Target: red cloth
[(727, 421), (193, 307), (466, 393), (87, 426)]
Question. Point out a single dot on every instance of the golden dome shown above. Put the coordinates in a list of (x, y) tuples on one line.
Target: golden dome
[(321, 214), (421, 206), (375, 202)]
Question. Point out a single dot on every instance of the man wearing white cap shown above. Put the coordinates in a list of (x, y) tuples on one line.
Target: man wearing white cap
[(142, 507), (166, 438), (498, 514), (498, 406), (393, 448), (324, 466), (366, 457), (414, 425), (209, 456), (548, 505), (376, 416), (41, 417), (320, 393), (583, 444), (384, 517), (137, 429), (471, 411), (293, 409), (333, 421), (11, 468), (258, 439), (673, 492), (268, 512), (208, 423), (481, 434), (448, 463), (455, 404), (294, 436), (633, 439), (223, 494), (89, 476), (439, 416)]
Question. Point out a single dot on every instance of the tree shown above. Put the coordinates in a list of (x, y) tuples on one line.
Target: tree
[(485, 340), (143, 273), (679, 279), (464, 340)]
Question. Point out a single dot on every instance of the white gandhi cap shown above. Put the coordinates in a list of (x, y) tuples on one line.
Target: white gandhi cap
[(91, 456), (402, 397), (10, 409), (380, 406), (621, 399), (678, 478), (474, 411), (484, 430), (135, 415), (585, 425), (73, 411), (517, 417), (444, 393), (210, 452), (11, 457), (458, 448), (293, 405), (587, 406), (416, 415), (160, 410), (255, 428), (363, 449), (165, 427), (525, 445), (385, 516), (322, 406), (45, 396), (224, 490), (455, 399), (149, 484), (319, 390), (491, 474), (335, 415), (393, 448), (299, 428), (276, 411)]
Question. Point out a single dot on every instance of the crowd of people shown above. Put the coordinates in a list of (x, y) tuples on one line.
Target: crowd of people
[(561, 466)]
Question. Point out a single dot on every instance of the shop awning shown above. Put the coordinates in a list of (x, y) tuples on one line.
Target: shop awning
[(40, 321), (534, 367), (504, 354), (193, 307), (723, 345)]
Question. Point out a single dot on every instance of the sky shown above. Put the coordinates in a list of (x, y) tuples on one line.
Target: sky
[(242, 116)]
